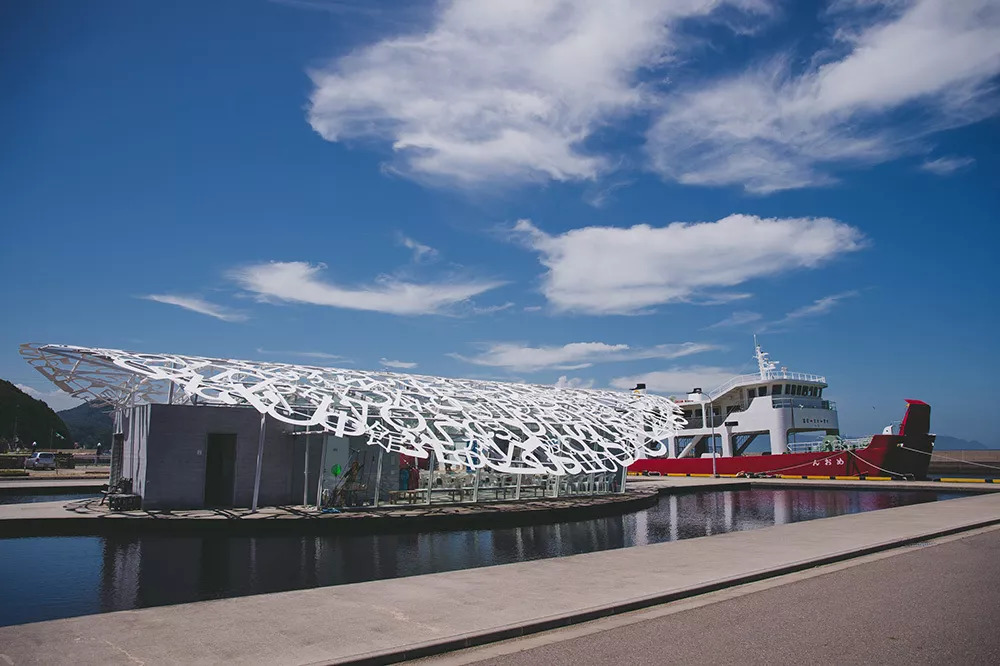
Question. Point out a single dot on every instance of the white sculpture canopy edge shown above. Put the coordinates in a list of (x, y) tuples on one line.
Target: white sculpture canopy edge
[(511, 428)]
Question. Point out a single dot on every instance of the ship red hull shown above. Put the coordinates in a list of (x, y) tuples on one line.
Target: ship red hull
[(903, 455)]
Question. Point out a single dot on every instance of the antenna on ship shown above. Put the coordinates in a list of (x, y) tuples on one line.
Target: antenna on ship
[(764, 362)]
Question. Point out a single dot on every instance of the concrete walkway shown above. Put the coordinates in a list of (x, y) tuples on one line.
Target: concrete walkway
[(920, 604), (387, 620)]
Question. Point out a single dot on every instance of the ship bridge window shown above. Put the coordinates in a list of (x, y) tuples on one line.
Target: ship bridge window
[(776, 389), (798, 390), (788, 389), (762, 390)]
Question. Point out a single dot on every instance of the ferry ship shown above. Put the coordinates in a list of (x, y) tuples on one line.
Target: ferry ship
[(780, 404)]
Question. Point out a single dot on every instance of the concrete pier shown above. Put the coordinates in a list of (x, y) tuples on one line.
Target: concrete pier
[(91, 517), (391, 620)]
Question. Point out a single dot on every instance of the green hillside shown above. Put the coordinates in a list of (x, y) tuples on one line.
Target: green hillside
[(90, 425), (33, 419)]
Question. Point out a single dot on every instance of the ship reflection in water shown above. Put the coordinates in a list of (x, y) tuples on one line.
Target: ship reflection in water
[(84, 575)]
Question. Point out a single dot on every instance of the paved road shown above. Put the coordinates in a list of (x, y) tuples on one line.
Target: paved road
[(937, 604)]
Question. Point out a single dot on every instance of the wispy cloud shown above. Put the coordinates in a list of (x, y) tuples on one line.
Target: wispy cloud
[(678, 380), (492, 309), (598, 197), (503, 90), (575, 355), (741, 318), (304, 354), (402, 365), (820, 306), (301, 282), (612, 270), (421, 253), (945, 166), (199, 305), (777, 125)]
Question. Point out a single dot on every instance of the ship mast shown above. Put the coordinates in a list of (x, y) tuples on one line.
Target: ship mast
[(764, 363)]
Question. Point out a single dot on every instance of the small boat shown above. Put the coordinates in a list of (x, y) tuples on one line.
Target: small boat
[(781, 404)]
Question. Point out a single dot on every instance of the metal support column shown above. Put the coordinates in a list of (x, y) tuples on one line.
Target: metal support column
[(378, 474), (430, 476), (517, 487), (305, 471), (260, 460), (475, 486), (624, 477)]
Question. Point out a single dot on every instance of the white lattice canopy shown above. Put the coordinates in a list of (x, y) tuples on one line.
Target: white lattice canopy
[(518, 428)]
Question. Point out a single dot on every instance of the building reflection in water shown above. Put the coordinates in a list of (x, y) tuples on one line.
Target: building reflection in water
[(152, 570)]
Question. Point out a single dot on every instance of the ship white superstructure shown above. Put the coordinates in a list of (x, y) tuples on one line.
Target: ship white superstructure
[(772, 401)]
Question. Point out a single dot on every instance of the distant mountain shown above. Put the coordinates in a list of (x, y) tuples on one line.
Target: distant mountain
[(946, 443), (90, 425), (30, 420)]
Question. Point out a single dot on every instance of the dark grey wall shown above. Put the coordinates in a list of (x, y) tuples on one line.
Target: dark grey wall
[(175, 450)]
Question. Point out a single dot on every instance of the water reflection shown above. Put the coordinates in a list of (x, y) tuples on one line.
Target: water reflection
[(100, 574), (31, 499)]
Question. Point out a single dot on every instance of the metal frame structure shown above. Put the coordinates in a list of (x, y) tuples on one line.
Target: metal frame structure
[(507, 427)]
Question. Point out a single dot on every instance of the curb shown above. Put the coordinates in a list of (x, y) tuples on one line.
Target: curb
[(462, 641)]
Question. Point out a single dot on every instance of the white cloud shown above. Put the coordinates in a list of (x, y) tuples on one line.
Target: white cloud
[(739, 318), (771, 128), (610, 270), (403, 365), (677, 380), (492, 309), (600, 196), (198, 305), (575, 355), (56, 399), (945, 166), (507, 89), (300, 282), (574, 383), (305, 354), (421, 253), (820, 306)]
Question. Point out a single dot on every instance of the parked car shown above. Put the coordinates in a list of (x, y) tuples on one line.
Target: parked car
[(39, 460)]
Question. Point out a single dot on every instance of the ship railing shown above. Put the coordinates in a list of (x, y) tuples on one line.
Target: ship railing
[(773, 375), (803, 403), (829, 443)]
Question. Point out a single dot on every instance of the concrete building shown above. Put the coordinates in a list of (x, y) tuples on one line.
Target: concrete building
[(195, 456)]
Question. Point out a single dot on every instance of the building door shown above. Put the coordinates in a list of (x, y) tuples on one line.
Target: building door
[(220, 469)]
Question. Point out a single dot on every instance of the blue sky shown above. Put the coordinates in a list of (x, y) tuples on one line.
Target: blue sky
[(587, 192)]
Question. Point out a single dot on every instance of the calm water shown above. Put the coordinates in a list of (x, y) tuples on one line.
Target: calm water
[(82, 575), (26, 499)]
